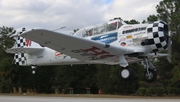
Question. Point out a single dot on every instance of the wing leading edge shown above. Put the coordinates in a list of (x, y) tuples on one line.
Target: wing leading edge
[(76, 47)]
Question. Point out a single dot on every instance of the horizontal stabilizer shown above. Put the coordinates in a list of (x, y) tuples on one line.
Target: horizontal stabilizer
[(24, 50)]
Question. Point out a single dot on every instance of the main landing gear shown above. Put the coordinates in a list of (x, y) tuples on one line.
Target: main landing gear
[(150, 74), (127, 73)]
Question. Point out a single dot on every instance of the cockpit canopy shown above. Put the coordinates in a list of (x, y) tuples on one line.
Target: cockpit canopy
[(100, 28)]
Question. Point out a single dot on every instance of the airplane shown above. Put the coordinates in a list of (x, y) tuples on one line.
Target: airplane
[(110, 43)]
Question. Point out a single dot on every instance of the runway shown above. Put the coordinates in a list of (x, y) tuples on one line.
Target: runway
[(74, 99)]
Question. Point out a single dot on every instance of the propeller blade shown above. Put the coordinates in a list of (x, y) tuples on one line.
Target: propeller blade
[(169, 40), (169, 49)]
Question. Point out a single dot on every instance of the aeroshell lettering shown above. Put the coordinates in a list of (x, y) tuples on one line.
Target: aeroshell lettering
[(108, 38), (133, 30)]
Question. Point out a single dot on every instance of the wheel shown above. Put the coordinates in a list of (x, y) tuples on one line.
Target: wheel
[(33, 72), (126, 74), (152, 75)]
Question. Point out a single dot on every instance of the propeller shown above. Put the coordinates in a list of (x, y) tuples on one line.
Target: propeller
[(167, 13), (169, 49), (169, 42)]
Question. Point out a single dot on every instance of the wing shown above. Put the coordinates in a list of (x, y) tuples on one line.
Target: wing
[(76, 47)]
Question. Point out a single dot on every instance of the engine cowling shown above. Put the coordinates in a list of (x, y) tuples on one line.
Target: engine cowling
[(157, 36)]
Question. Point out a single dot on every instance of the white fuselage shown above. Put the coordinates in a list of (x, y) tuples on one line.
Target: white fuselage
[(127, 36)]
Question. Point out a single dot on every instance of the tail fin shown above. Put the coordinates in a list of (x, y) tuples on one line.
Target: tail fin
[(20, 42), (19, 57), (22, 48)]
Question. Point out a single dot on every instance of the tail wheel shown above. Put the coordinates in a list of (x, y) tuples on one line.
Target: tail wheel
[(151, 76), (126, 73), (33, 69)]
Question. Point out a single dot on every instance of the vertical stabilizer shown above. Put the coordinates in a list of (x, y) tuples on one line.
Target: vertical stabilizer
[(19, 57), (22, 48)]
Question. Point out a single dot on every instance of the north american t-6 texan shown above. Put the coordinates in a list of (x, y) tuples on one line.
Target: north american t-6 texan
[(111, 43)]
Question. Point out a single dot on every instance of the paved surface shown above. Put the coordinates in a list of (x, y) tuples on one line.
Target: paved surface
[(73, 99)]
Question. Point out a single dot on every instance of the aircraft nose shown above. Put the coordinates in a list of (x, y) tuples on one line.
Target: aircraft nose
[(157, 36)]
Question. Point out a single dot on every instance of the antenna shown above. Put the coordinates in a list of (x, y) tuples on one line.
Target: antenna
[(59, 28)]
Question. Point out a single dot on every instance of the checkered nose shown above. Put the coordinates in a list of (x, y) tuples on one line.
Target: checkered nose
[(157, 36)]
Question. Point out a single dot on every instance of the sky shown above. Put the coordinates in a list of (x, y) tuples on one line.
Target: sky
[(74, 14)]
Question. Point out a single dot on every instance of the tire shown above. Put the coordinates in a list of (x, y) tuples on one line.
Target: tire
[(153, 75), (127, 74)]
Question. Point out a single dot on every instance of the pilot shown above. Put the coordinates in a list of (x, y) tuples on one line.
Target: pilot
[(89, 32), (112, 26), (115, 24)]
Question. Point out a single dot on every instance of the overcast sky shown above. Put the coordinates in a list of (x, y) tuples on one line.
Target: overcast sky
[(52, 14)]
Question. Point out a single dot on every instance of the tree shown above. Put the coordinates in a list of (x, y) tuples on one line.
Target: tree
[(6, 66), (169, 11), (152, 18), (5, 40), (133, 21), (78, 77), (109, 81)]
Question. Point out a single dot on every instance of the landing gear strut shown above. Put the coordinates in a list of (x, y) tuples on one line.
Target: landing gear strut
[(150, 74)]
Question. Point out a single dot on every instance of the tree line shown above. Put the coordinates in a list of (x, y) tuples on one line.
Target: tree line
[(58, 79)]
